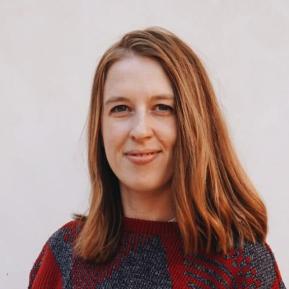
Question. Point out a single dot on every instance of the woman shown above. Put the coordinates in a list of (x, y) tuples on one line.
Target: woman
[(171, 206)]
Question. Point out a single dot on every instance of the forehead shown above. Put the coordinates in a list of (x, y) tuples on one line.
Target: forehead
[(136, 75)]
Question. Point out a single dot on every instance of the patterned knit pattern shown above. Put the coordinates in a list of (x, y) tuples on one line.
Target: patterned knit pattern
[(151, 256)]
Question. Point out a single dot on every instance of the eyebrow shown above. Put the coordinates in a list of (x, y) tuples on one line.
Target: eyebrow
[(154, 97)]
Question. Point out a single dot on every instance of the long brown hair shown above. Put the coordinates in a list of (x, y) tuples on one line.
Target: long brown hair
[(216, 204)]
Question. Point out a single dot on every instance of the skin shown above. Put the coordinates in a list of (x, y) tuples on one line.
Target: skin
[(140, 121)]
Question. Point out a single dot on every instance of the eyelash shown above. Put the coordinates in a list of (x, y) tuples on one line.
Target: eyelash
[(113, 110)]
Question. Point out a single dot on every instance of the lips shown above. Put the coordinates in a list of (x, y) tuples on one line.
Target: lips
[(142, 153), (142, 157)]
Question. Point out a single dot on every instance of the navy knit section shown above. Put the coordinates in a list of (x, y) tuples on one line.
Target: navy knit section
[(62, 252), (145, 267), (210, 272), (262, 264), (201, 265), (211, 263)]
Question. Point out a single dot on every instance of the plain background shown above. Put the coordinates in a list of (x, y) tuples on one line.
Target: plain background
[(48, 54)]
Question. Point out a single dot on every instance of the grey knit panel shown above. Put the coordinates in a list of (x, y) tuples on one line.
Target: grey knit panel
[(262, 265), (144, 267), (62, 252), (200, 266)]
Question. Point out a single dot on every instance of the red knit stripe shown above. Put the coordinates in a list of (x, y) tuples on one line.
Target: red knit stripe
[(175, 261), (48, 275)]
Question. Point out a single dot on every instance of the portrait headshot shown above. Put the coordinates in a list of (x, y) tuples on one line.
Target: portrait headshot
[(155, 150)]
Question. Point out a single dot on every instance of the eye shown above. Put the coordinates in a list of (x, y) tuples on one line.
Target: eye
[(119, 108), (164, 107)]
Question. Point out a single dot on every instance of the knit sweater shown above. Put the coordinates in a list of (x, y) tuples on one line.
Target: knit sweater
[(151, 256)]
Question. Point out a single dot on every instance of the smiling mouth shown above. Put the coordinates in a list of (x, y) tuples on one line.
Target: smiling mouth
[(142, 154), (142, 158)]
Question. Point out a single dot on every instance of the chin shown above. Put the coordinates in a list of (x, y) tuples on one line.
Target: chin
[(145, 186)]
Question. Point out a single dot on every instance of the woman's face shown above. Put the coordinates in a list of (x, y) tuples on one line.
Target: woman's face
[(139, 124)]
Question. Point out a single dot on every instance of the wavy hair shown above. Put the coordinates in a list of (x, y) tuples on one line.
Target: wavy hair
[(216, 204)]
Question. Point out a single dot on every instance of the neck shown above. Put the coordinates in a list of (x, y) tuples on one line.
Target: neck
[(152, 205)]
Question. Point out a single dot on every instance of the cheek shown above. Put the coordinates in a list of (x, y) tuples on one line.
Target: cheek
[(114, 134), (169, 133)]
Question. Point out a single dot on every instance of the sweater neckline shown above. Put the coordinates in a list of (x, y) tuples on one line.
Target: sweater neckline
[(149, 227)]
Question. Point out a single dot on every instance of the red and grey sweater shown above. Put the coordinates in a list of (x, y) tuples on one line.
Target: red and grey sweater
[(150, 256)]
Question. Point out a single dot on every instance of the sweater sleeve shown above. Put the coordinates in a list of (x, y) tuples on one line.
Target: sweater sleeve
[(278, 280), (45, 273), (261, 269), (52, 267)]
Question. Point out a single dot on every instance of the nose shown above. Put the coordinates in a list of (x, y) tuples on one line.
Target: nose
[(141, 127)]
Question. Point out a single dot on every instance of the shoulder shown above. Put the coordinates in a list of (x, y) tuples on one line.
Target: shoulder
[(67, 233), (256, 252), (259, 256), (61, 242), (55, 258), (257, 265)]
